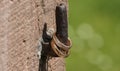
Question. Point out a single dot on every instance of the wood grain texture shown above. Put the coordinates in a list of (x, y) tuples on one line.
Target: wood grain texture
[(21, 24)]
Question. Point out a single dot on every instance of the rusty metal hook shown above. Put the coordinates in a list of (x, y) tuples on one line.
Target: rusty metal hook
[(49, 39)]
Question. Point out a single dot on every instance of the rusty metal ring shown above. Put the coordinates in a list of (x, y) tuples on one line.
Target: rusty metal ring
[(59, 52), (62, 45)]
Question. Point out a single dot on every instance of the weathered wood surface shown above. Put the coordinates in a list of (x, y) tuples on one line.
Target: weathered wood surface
[(21, 24)]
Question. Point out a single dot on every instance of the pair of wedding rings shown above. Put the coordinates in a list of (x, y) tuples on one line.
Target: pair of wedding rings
[(60, 48)]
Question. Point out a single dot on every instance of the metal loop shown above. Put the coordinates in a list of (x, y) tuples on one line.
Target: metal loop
[(59, 48), (43, 42), (62, 45), (59, 52)]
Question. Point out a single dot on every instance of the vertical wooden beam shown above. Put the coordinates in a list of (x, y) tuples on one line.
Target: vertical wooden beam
[(21, 24)]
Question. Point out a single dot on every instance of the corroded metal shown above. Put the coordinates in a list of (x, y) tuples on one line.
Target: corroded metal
[(62, 23)]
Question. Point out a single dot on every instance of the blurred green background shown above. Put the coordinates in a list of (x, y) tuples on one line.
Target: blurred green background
[(94, 27)]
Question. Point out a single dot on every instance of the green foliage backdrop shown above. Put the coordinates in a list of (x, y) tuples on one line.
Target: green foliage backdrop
[(94, 27)]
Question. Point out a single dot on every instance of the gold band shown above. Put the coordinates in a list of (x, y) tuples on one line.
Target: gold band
[(62, 45), (59, 52), (59, 48)]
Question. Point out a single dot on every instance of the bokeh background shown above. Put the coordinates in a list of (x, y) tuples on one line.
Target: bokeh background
[(94, 27)]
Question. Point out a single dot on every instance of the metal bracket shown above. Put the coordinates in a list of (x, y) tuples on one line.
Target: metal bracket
[(48, 46), (45, 39), (44, 47)]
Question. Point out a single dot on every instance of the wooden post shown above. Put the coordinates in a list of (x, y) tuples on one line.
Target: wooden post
[(21, 24)]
